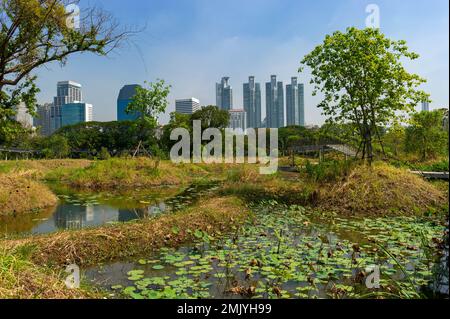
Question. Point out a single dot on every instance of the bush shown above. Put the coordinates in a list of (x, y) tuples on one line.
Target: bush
[(55, 146), (328, 171), (104, 154)]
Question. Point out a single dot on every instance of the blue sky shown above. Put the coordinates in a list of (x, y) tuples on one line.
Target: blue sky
[(193, 43)]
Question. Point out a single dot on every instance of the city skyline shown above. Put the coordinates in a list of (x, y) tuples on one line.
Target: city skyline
[(212, 47)]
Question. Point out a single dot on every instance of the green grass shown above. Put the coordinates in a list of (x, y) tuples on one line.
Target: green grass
[(21, 278)]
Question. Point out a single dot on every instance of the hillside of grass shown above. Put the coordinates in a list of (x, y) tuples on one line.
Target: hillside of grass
[(382, 190), (19, 194), (21, 278)]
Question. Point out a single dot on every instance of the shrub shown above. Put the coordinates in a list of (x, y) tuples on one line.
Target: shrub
[(328, 171), (104, 154)]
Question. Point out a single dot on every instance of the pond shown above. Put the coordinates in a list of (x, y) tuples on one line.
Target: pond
[(79, 209), (288, 252)]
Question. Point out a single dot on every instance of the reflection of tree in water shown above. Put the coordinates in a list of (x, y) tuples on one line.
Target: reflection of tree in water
[(70, 217)]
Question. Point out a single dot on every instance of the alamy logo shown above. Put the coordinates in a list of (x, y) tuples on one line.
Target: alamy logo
[(373, 19), (373, 279), (73, 18), (222, 150), (73, 280)]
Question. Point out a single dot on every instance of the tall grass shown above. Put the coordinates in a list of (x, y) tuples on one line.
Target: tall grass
[(328, 171)]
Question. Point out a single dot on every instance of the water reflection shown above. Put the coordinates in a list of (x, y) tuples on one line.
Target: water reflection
[(74, 214), (80, 210)]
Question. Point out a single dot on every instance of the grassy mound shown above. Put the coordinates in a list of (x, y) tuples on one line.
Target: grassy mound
[(20, 278), (381, 190), (92, 246), (126, 173), (39, 168), (19, 194)]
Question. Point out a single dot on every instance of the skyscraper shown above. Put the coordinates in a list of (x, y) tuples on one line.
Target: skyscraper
[(274, 103), (125, 96), (43, 120), (224, 94), (252, 102), (425, 106), (67, 92), (187, 106), (295, 103), (73, 113)]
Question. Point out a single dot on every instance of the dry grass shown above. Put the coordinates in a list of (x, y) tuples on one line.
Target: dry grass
[(92, 246), (37, 169), (381, 190), (19, 194), (131, 173), (20, 278)]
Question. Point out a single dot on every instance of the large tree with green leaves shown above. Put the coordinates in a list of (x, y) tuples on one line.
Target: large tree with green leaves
[(363, 81), (35, 33)]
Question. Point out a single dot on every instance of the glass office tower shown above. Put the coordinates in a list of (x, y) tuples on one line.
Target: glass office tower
[(124, 98), (274, 103), (295, 103), (252, 102)]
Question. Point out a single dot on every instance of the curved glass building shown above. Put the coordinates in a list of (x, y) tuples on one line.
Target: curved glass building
[(125, 96)]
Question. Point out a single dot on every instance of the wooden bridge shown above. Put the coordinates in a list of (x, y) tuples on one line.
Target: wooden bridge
[(432, 175), (341, 148)]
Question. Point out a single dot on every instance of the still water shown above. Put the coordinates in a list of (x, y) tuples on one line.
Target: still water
[(77, 209)]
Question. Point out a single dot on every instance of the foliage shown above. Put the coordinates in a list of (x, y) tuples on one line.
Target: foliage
[(118, 137), (363, 81), (328, 171), (425, 136), (104, 154), (212, 116), (394, 138), (149, 102), (55, 146), (295, 136), (35, 33)]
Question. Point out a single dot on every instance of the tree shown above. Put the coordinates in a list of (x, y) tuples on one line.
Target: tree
[(149, 102), (426, 136), (212, 116), (35, 33), (363, 81), (55, 146), (177, 120), (395, 138)]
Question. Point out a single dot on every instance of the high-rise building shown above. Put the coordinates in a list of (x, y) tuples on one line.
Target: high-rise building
[(125, 96), (425, 106), (224, 94), (23, 116), (187, 106), (238, 120), (252, 102), (274, 103), (295, 103), (42, 120), (67, 92), (73, 113)]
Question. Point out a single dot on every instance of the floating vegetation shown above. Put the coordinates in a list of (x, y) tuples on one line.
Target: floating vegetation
[(287, 252)]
